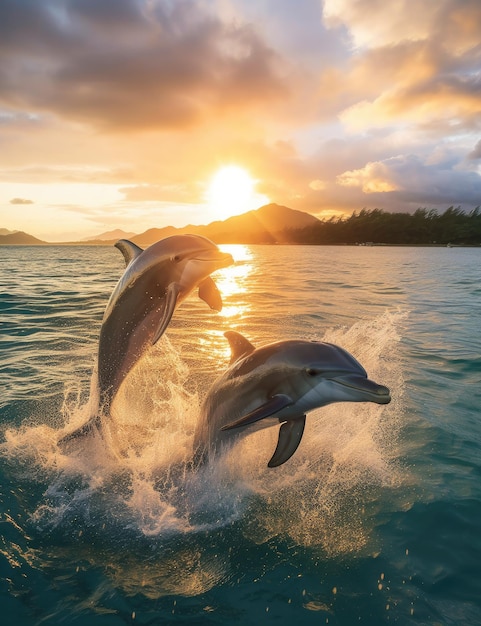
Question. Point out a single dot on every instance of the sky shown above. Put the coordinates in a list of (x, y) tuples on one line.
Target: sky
[(121, 113)]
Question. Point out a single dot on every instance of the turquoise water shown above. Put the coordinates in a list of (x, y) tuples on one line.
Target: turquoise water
[(376, 519)]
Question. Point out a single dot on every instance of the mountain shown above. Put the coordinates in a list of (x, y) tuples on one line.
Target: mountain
[(111, 235), (156, 234), (19, 238), (269, 224)]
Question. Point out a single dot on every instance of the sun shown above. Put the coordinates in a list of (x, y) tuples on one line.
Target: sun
[(231, 191)]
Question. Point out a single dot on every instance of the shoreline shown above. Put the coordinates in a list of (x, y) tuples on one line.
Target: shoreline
[(106, 244)]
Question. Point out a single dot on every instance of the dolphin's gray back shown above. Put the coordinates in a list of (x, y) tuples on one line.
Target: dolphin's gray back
[(294, 353)]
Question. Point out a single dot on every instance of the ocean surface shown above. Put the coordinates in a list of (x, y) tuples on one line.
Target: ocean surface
[(376, 519)]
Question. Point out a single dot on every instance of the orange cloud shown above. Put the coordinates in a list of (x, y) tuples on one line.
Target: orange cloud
[(317, 184), (373, 23), (412, 67), (372, 178)]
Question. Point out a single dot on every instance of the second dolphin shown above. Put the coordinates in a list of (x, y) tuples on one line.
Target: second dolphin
[(278, 383)]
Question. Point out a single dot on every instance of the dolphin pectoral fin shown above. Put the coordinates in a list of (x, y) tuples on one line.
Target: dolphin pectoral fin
[(171, 296), (290, 435), (239, 345), (129, 250), (272, 406), (209, 293)]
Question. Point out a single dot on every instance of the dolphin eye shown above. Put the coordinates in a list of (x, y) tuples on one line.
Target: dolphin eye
[(310, 371)]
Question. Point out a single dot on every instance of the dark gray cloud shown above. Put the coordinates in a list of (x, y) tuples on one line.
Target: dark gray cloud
[(128, 63), (476, 152), (118, 14)]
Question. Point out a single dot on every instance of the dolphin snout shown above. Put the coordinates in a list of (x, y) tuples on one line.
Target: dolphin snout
[(366, 388), (220, 259), (226, 259), (383, 394)]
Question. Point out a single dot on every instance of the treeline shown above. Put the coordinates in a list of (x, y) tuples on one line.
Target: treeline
[(425, 226)]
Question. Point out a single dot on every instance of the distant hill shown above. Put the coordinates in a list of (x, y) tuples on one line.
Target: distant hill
[(271, 223), (5, 231), (111, 235), (19, 238), (156, 234)]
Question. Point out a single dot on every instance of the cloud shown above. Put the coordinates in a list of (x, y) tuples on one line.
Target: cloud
[(374, 23), (409, 179), (377, 23), (476, 153), (448, 99), (20, 201), (317, 184), (130, 64), (175, 192), (410, 67), (372, 178)]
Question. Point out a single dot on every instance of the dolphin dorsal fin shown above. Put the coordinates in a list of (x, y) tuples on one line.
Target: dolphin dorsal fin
[(239, 345), (129, 249)]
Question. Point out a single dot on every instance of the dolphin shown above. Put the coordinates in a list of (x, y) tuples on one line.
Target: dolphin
[(154, 283), (278, 383)]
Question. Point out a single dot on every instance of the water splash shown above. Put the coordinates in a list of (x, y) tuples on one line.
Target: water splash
[(136, 485), (348, 453)]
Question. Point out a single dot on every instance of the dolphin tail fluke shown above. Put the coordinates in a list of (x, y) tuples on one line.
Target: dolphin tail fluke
[(290, 435), (93, 425)]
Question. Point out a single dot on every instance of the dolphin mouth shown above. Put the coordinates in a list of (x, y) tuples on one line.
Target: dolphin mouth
[(367, 388), (220, 259)]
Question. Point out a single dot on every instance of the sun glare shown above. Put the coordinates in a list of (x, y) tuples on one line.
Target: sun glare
[(232, 191)]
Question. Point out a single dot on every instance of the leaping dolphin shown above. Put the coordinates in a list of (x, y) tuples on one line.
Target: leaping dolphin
[(278, 383), (154, 283)]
